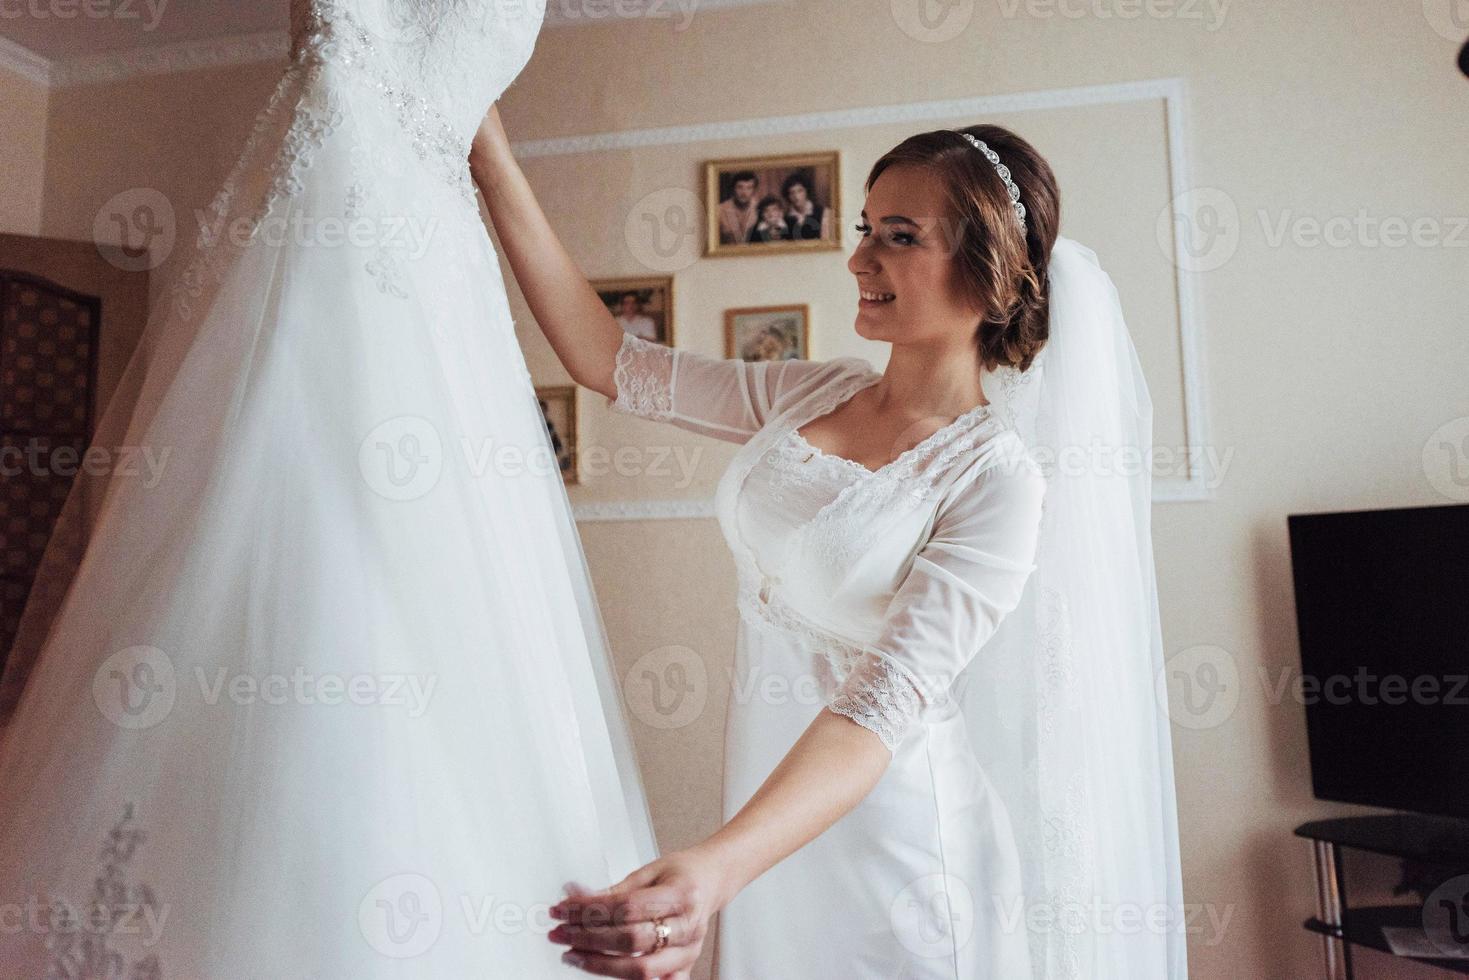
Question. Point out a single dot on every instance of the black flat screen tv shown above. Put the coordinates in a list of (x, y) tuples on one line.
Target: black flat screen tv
[(1382, 614)]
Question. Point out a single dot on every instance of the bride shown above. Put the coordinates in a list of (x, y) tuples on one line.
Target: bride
[(332, 698), (891, 529)]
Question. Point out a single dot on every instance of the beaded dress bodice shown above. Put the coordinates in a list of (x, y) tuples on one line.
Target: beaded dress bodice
[(369, 126), (441, 63)]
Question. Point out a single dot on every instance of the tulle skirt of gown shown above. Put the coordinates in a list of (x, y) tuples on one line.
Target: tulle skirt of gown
[(328, 698)]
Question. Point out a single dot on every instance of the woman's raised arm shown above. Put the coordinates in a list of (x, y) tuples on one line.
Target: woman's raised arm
[(570, 313), (725, 398)]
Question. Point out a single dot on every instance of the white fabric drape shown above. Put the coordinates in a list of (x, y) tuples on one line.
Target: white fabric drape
[(1060, 705)]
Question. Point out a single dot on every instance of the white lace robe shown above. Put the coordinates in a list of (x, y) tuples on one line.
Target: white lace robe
[(865, 593)]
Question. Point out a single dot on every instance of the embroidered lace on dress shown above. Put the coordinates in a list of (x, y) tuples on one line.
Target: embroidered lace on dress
[(422, 67), (879, 696), (644, 379), (80, 940), (799, 467), (919, 474), (858, 684), (336, 37), (314, 112)]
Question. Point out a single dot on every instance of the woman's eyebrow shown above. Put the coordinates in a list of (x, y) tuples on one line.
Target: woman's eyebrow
[(894, 219)]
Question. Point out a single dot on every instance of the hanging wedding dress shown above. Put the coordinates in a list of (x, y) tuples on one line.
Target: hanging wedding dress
[(328, 696)]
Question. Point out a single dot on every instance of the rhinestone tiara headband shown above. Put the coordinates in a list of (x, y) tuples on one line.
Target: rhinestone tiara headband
[(1004, 173)]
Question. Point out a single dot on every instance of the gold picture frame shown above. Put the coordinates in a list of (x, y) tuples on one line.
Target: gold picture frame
[(559, 409), (654, 304), (774, 178), (768, 333)]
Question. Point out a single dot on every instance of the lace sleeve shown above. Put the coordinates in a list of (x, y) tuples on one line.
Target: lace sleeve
[(880, 697), (963, 581), (726, 398), (644, 379)]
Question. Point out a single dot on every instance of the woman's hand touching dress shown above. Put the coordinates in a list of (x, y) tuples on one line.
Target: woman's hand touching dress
[(832, 766), (616, 933)]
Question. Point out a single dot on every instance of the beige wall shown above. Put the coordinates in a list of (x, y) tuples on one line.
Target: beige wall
[(22, 152), (160, 140), (1327, 370)]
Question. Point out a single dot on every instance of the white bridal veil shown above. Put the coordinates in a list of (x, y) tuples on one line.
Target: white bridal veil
[(1061, 703)]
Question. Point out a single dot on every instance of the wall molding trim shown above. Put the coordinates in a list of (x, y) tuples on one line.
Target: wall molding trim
[(853, 118), (561, 13), (644, 510), (167, 59), (229, 51), (1196, 486)]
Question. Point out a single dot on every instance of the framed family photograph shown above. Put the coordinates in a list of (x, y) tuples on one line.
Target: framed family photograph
[(768, 333), (760, 205), (642, 307), (558, 407)]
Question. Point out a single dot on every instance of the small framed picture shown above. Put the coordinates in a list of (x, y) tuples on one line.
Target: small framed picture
[(761, 205), (558, 407), (768, 333), (642, 307)]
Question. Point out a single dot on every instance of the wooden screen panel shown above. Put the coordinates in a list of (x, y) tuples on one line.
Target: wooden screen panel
[(48, 379)]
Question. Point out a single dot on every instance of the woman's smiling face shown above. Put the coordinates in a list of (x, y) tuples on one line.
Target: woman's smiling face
[(904, 265)]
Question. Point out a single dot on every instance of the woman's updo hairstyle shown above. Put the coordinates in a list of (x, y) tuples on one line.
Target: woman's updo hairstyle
[(1002, 270)]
